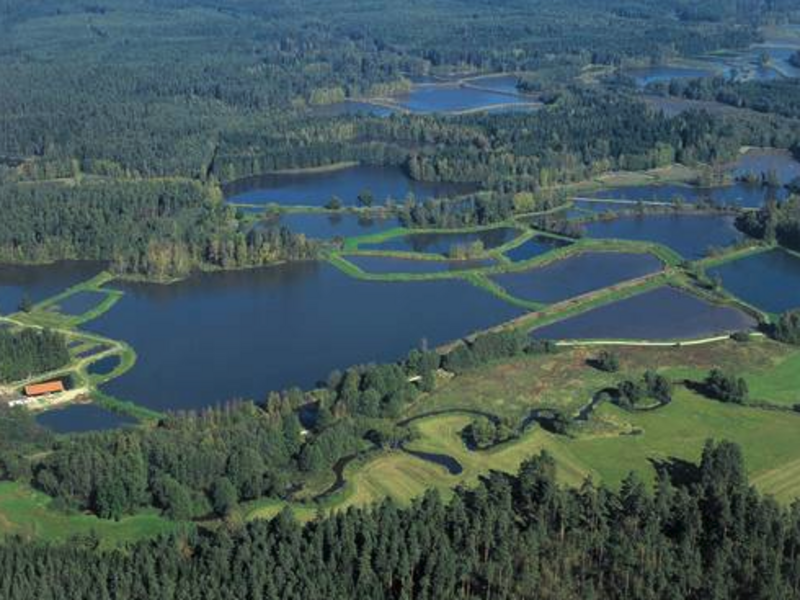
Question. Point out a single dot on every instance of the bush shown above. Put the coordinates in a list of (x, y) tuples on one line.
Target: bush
[(607, 361), (726, 387)]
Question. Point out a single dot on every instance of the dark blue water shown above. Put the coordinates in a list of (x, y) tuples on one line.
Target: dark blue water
[(763, 161), (689, 235), (351, 107), (739, 194), (577, 275), (506, 84), (80, 418), (104, 366), (387, 264), (769, 281), (331, 225), (241, 334), (441, 243), (41, 281), (657, 74), (79, 303), (457, 98), (317, 189), (536, 246), (661, 314)]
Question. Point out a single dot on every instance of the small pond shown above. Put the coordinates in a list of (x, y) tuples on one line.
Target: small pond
[(104, 366), (577, 275), (81, 418), (331, 225), (442, 243), (318, 187), (456, 97), (79, 303), (665, 313), (769, 281), (536, 246), (41, 281), (689, 235)]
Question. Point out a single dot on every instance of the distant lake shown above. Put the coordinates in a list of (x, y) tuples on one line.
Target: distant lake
[(577, 275), (435, 98), (663, 73), (689, 235), (41, 281), (335, 224), (242, 334), (317, 188), (665, 313), (769, 281)]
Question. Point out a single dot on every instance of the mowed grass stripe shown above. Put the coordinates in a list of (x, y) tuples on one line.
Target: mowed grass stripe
[(782, 482)]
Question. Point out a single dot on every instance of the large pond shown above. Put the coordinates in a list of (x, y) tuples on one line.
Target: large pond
[(80, 418), (769, 281), (241, 334), (442, 243), (41, 281), (316, 188), (577, 275), (662, 314), (691, 236), (332, 225)]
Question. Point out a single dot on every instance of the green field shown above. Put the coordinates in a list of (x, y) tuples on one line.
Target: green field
[(27, 512)]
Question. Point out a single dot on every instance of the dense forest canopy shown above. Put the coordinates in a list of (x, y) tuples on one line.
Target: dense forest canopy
[(702, 534), (28, 352), (153, 87), (157, 228)]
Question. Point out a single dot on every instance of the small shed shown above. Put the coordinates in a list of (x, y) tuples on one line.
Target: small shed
[(42, 389)]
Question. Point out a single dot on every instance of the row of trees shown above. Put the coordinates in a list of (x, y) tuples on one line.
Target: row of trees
[(29, 351), (704, 533)]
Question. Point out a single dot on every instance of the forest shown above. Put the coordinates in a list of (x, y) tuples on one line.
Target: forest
[(28, 352), (774, 222), (702, 533), (781, 96), (182, 465), (160, 229)]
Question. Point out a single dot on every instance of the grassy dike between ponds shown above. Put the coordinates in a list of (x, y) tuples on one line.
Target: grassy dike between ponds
[(480, 276), (45, 316)]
